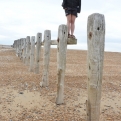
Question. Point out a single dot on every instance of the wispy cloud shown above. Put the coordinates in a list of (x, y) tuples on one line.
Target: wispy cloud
[(22, 18)]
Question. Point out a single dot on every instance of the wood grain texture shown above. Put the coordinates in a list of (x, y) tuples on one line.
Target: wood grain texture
[(32, 54), (38, 51), (95, 41), (46, 56), (27, 61), (61, 62)]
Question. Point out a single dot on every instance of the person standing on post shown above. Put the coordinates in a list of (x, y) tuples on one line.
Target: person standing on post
[(71, 7)]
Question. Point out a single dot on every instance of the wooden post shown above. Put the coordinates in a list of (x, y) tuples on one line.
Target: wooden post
[(20, 49), (22, 46), (95, 40), (47, 42), (27, 62), (19, 52), (24, 50), (17, 47), (22, 42), (38, 50), (61, 60), (31, 69)]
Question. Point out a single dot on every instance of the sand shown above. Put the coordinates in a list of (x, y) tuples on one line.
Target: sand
[(22, 99)]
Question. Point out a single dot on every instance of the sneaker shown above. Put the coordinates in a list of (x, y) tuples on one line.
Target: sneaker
[(72, 36), (69, 36)]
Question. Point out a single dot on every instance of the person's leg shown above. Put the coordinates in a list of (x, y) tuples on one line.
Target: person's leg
[(69, 22), (73, 17)]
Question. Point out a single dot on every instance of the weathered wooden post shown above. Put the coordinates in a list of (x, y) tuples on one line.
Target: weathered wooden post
[(38, 51), (27, 62), (32, 53), (17, 47), (24, 50), (61, 62), (95, 40), (21, 58), (20, 49), (47, 43)]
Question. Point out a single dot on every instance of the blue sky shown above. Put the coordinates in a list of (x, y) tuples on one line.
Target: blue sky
[(21, 18)]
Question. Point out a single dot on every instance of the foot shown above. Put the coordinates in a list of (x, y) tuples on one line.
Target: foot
[(69, 36), (72, 36)]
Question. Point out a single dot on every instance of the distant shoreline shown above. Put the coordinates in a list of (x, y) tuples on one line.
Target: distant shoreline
[(10, 46)]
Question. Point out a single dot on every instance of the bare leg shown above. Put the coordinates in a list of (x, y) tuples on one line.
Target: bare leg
[(72, 24), (69, 23)]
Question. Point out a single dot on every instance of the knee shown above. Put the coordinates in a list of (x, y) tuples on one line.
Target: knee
[(72, 21), (69, 21)]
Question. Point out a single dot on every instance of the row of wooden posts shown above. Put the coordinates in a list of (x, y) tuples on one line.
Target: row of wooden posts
[(25, 49), (28, 49)]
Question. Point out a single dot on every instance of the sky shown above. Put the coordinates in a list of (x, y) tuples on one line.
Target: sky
[(21, 18)]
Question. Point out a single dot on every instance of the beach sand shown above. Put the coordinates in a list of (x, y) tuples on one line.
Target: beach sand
[(22, 98)]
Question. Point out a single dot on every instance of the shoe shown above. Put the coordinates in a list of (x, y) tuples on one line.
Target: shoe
[(72, 36), (69, 36)]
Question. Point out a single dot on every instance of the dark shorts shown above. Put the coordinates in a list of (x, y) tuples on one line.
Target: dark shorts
[(72, 11)]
